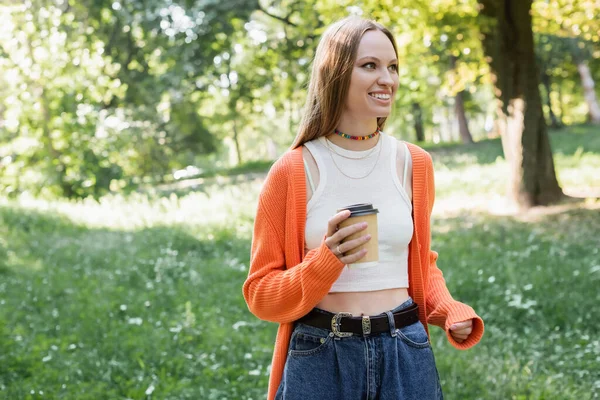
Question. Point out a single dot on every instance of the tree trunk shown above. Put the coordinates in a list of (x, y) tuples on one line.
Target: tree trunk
[(459, 110), (463, 126), (418, 118), (234, 107), (554, 122), (449, 135), (587, 81), (561, 103), (508, 44), (499, 124), (236, 140)]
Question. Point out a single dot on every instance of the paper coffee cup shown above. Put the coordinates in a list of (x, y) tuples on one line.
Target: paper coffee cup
[(363, 213)]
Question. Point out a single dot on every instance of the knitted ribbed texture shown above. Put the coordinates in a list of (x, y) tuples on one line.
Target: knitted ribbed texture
[(284, 284)]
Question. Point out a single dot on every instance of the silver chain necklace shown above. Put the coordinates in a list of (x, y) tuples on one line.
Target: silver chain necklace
[(353, 158), (331, 152)]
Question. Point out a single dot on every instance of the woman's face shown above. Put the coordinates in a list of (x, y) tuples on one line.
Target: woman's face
[(374, 80)]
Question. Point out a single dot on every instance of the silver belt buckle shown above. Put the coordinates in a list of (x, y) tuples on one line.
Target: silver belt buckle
[(336, 324)]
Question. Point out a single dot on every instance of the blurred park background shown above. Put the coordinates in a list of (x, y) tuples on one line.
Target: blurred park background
[(135, 136)]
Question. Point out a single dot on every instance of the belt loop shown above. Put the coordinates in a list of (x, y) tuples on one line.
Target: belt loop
[(392, 323), (366, 325)]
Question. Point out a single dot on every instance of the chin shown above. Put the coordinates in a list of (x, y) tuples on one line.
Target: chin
[(384, 114), (371, 113)]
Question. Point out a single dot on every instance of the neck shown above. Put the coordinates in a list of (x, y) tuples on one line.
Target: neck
[(355, 127)]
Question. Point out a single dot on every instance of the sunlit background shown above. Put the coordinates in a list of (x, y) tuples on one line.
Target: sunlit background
[(101, 96), (134, 140)]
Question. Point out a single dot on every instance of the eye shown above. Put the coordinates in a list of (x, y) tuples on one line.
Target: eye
[(369, 65), (394, 67)]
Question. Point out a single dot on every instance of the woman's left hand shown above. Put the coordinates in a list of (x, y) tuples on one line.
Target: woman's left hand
[(460, 331)]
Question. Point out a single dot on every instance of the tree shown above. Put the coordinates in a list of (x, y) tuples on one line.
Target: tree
[(575, 24), (457, 47), (578, 50), (550, 56), (508, 42), (459, 110), (104, 94)]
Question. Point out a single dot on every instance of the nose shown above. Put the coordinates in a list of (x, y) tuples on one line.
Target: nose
[(385, 78)]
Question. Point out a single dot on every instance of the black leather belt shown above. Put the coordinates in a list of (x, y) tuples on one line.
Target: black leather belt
[(344, 324)]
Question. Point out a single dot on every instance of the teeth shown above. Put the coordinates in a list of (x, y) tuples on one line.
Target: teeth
[(380, 96)]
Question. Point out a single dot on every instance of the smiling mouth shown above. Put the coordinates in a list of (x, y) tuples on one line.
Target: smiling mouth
[(380, 96)]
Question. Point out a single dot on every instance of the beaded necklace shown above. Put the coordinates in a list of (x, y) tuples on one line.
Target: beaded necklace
[(344, 135)]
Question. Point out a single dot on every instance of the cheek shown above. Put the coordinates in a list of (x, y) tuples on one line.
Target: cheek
[(360, 82), (356, 91), (395, 86)]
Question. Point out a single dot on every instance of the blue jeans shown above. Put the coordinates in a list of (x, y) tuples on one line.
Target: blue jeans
[(389, 366)]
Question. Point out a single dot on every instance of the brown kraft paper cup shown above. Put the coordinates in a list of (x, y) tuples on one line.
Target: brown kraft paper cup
[(363, 213)]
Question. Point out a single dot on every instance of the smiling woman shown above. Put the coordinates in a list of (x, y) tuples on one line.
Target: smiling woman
[(341, 254), (374, 81), (355, 72)]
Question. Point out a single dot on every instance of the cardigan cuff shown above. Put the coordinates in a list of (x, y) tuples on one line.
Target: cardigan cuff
[(330, 267), (459, 313)]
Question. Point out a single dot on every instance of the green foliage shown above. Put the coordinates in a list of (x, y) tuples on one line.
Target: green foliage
[(141, 297), (102, 96)]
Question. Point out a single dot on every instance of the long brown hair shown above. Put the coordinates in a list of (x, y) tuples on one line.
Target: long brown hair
[(330, 77)]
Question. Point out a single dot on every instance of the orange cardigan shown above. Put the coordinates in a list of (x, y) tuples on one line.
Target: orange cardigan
[(284, 284)]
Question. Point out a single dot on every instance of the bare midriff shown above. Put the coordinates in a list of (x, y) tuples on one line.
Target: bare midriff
[(364, 303)]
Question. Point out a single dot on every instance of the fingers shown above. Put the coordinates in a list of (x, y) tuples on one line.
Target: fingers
[(335, 220), (343, 233), (352, 244), (352, 258), (460, 331), (465, 332), (336, 236), (461, 325), (459, 337), (341, 249)]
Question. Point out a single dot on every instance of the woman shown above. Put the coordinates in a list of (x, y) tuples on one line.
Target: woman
[(348, 332)]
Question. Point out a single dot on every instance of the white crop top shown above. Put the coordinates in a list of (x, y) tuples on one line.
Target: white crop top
[(383, 189)]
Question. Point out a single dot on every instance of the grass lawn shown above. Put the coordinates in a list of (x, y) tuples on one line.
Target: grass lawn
[(140, 298)]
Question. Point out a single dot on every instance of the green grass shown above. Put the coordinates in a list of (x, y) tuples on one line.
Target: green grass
[(140, 297)]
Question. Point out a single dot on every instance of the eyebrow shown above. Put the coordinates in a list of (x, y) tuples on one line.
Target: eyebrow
[(376, 59)]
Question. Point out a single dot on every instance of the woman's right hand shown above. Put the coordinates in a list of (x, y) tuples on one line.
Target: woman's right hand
[(335, 237)]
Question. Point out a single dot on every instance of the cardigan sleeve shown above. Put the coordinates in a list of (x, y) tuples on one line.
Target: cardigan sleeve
[(273, 290), (443, 310)]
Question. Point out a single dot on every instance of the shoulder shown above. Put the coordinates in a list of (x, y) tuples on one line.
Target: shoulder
[(416, 150), (286, 163), (420, 157), (284, 169), (423, 172)]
